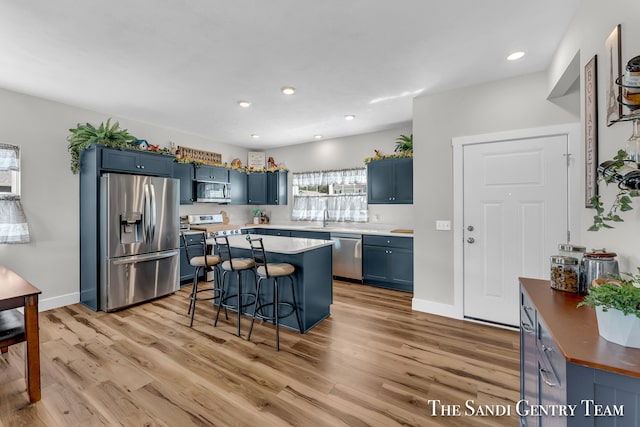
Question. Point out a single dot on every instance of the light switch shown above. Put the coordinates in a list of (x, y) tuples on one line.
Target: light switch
[(443, 225)]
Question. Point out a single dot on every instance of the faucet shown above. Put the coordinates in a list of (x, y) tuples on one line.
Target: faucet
[(325, 217)]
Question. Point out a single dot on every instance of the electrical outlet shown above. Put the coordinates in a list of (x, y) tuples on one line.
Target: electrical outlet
[(443, 225)]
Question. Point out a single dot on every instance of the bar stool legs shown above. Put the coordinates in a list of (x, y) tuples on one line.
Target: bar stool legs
[(238, 296), (259, 312)]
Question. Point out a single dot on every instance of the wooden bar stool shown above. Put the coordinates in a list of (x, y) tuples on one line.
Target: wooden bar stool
[(237, 266), (268, 271), (202, 261)]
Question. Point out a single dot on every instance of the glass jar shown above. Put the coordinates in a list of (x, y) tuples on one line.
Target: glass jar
[(565, 273), (573, 251), (633, 143)]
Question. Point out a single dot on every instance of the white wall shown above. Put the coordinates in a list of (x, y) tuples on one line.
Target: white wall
[(342, 153), (587, 33), (50, 191), (517, 103)]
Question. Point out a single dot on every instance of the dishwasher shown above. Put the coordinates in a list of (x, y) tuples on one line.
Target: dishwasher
[(347, 255)]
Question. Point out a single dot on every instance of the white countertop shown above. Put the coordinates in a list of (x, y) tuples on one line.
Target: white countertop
[(342, 228), (277, 244)]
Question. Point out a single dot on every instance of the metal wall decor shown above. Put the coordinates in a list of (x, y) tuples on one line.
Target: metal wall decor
[(613, 47), (590, 131)]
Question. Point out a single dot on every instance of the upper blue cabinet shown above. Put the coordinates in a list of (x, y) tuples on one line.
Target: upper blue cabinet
[(390, 181)]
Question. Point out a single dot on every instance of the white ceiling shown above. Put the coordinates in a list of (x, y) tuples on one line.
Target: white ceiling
[(184, 64)]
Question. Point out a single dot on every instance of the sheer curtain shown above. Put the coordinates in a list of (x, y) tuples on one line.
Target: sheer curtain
[(13, 223), (340, 207)]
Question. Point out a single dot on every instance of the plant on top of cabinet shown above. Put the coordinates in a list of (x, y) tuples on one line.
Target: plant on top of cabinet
[(404, 144), (620, 293), (404, 148), (86, 134)]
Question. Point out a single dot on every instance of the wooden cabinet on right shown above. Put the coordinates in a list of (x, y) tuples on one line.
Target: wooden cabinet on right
[(387, 262), (566, 366), (390, 181)]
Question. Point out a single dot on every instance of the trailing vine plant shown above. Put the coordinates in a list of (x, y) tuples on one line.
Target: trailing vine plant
[(621, 203)]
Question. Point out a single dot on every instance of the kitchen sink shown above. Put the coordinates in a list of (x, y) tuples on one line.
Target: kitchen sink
[(320, 228)]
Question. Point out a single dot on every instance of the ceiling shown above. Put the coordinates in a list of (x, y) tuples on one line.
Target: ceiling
[(184, 64)]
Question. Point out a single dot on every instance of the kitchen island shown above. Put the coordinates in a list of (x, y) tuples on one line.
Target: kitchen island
[(313, 278)]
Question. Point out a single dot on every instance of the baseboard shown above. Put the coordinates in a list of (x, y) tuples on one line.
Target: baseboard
[(59, 301), (437, 308)]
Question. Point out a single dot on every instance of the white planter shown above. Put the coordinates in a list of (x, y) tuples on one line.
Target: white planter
[(614, 326), (256, 220)]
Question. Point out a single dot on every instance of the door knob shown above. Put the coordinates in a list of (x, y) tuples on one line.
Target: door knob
[(471, 240), (470, 228)]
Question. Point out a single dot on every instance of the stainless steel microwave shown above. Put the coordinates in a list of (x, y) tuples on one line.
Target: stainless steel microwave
[(213, 192)]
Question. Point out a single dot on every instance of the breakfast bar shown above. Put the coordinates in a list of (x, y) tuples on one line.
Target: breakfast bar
[(313, 279)]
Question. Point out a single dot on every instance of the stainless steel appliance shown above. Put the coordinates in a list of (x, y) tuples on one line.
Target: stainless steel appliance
[(213, 192), (347, 255), (213, 225), (139, 235)]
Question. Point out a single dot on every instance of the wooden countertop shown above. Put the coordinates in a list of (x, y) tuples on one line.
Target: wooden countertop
[(575, 330)]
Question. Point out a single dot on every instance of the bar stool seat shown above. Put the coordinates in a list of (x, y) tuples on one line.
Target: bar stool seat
[(205, 262), (234, 266), (272, 271)]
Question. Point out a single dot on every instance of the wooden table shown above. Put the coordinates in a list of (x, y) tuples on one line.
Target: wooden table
[(16, 292)]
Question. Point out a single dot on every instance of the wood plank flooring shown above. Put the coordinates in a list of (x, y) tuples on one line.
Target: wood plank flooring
[(373, 362)]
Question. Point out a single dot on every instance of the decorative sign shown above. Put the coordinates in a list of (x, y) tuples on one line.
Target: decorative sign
[(256, 159), (206, 157), (590, 130), (613, 48)]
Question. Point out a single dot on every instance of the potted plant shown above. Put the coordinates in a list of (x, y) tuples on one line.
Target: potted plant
[(404, 144), (617, 305), (256, 215), (84, 135)]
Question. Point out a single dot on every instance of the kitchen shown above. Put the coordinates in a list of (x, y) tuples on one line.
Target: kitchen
[(56, 235)]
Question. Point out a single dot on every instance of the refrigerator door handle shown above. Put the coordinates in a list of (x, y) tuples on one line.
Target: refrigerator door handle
[(142, 258), (154, 208), (147, 212)]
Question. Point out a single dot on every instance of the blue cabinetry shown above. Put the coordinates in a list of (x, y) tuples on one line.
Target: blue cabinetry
[(135, 162), (184, 172), (563, 361), (390, 181), (387, 261), (187, 271), (238, 183), (211, 173), (268, 188)]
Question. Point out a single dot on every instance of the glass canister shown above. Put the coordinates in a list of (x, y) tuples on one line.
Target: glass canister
[(565, 273), (598, 264), (573, 251)]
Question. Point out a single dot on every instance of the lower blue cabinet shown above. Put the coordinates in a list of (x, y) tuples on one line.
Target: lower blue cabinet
[(387, 262)]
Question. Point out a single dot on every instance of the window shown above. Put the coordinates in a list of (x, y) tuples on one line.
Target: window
[(342, 194), (13, 223)]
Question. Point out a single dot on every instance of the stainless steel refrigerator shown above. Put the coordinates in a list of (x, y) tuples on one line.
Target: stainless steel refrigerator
[(139, 239)]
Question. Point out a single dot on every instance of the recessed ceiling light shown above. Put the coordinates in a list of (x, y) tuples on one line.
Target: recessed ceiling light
[(244, 104), (515, 55), (317, 136), (254, 136), (288, 90), (349, 117)]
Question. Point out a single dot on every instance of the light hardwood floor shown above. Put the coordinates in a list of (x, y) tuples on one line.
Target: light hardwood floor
[(373, 362)]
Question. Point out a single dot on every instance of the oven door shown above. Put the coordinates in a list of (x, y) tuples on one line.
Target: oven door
[(212, 192)]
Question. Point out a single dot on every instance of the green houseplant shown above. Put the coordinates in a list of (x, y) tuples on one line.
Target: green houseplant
[(617, 305), (86, 134), (621, 203), (404, 144)]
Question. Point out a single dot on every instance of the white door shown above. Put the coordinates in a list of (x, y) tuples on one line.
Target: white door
[(514, 216)]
